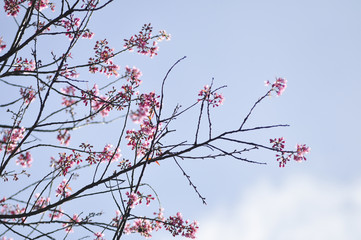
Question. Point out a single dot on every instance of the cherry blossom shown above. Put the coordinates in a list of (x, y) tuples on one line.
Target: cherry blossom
[(71, 24), (109, 155), (147, 104), (69, 226), (142, 42), (67, 100), (28, 94), (302, 149), (103, 59), (2, 44), (64, 137), (24, 65), (284, 156), (177, 226), (65, 161), (212, 98), (56, 214), (279, 85), (42, 4), (63, 189), (12, 7), (133, 199), (12, 137), (132, 75), (24, 160), (40, 202)]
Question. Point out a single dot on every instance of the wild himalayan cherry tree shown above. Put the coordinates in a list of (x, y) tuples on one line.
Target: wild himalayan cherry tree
[(51, 96)]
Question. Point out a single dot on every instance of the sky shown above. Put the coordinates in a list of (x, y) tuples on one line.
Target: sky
[(315, 45)]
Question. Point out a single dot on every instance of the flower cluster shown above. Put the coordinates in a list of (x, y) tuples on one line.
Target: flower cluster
[(24, 65), (98, 103), (12, 7), (69, 73), (147, 104), (40, 202), (136, 199), (132, 75), (71, 25), (2, 44), (8, 209), (109, 155), (141, 139), (63, 189), (302, 149), (28, 94), (72, 221), (174, 224), (279, 85), (56, 214), (68, 100), (212, 98), (65, 162), (103, 59), (89, 4), (141, 226), (64, 137), (142, 42), (284, 156), (42, 4), (11, 138), (24, 160), (177, 226)]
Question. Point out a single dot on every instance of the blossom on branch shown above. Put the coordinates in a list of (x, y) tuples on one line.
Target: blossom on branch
[(12, 7), (142, 42), (2, 44), (103, 59), (24, 160), (279, 85), (211, 97), (284, 156), (28, 94)]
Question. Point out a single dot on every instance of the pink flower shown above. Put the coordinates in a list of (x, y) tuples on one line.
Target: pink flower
[(56, 214), (302, 149), (107, 154), (64, 137), (2, 44), (279, 86), (11, 138), (142, 42), (40, 4), (211, 97), (63, 189), (12, 7), (133, 199), (24, 160), (103, 59), (28, 94), (177, 226), (69, 226), (133, 75), (284, 156), (24, 65), (41, 202)]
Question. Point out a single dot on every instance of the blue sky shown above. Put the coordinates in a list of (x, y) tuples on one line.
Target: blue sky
[(316, 46)]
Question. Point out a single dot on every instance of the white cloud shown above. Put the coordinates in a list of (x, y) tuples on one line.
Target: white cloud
[(300, 208)]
